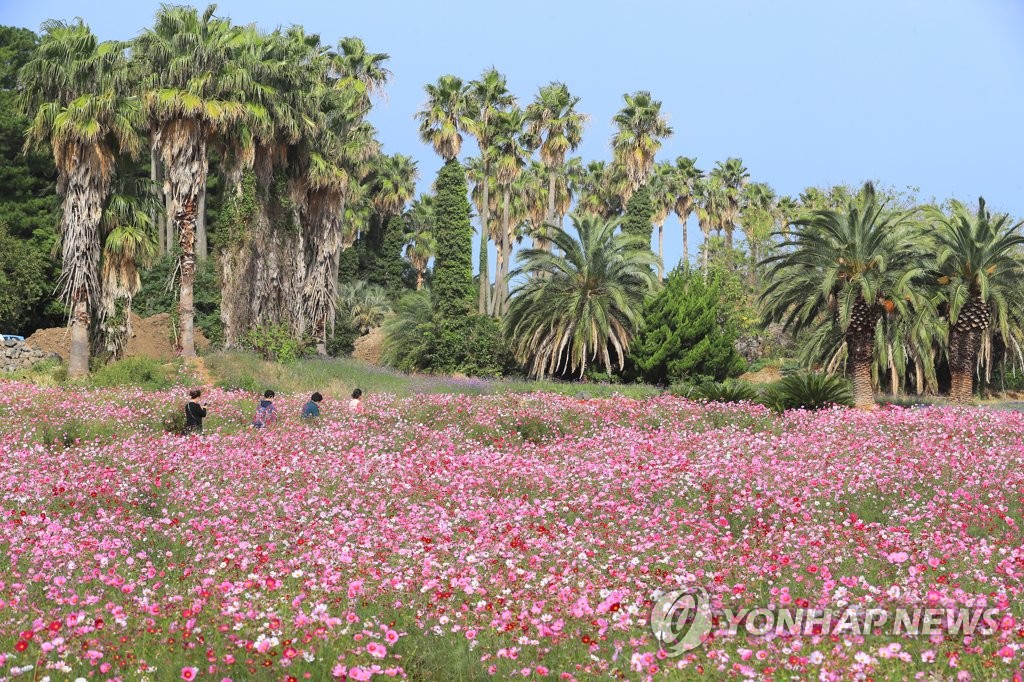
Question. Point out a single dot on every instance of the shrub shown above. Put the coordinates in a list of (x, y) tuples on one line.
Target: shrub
[(174, 421), (685, 336), (727, 392), (275, 342), (807, 391), (142, 372)]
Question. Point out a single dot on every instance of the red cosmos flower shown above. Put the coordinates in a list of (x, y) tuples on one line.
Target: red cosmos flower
[(54, 626), (21, 645)]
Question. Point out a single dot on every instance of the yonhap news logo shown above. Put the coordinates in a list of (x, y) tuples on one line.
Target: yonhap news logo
[(682, 620)]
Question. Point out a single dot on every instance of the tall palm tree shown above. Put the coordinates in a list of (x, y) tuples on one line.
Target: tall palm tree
[(488, 96), (589, 302), (362, 70), (758, 212), (419, 239), (665, 189), (844, 269), (128, 245), (688, 177), (733, 176), (394, 183), (199, 80), (75, 91), (553, 118), (710, 203), (641, 129), (510, 156), (979, 270), (445, 116)]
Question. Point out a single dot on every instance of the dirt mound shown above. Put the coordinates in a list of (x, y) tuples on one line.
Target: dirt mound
[(765, 375), (152, 337), (367, 348)]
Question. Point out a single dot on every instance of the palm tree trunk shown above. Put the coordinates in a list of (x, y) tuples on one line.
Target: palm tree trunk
[(963, 355), (186, 221), (78, 360), (485, 217), (661, 251), (201, 226), (686, 247), (918, 376), (506, 247), (155, 177), (860, 343), (419, 281), (552, 216)]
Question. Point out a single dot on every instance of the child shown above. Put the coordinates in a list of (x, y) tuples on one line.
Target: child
[(312, 408), (356, 404), (265, 413), (194, 413)]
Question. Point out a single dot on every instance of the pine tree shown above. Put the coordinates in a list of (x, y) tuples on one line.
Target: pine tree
[(452, 290), (683, 337), (639, 214)]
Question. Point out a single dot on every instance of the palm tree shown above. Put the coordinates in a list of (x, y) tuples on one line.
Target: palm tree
[(641, 131), (75, 91), (710, 200), (394, 183), (488, 97), (664, 186), (362, 70), (733, 177), (552, 116), (979, 271), (420, 237), (757, 210), (199, 80), (845, 269), (509, 159), (365, 305), (127, 246), (445, 116), (587, 305), (688, 177)]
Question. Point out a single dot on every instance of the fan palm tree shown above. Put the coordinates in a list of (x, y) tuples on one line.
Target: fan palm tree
[(552, 117), (689, 175), (420, 243), (366, 305), (394, 183), (362, 70), (445, 116), (979, 271), (641, 129), (588, 304), (75, 90), (757, 211), (845, 269), (733, 177), (488, 95), (664, 184), (127, 246), (710, 202), (510, 157), (199, 79)]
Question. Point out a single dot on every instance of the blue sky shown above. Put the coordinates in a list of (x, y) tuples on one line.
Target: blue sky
[(921, 93)]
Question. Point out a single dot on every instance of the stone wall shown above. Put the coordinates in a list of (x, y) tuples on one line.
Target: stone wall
[(17, 355)]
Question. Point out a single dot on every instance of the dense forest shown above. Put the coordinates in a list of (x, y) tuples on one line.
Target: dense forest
[(230, 177)]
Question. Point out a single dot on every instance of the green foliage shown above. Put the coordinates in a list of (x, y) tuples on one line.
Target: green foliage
[(419, 340), (452, 291), (174, 420), (243, 382), (238, 211), (142, 372), (639, 212), (389, 266), (685, 334), (726, 392), (24, 283), (158, 295), (275, 342), (807, 391)]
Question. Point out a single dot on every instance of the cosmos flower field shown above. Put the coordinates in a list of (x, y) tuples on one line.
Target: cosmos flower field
[(455, 537)]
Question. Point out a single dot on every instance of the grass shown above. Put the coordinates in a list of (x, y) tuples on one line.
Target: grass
[(338, 376)]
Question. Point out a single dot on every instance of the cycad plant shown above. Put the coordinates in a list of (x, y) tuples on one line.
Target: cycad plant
[(587, 304)]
